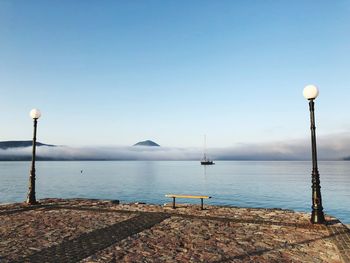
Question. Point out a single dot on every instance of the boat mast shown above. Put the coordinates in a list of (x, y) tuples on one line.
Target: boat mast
[(205, 147)]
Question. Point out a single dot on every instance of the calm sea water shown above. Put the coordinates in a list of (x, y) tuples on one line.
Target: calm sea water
[(239, 183)]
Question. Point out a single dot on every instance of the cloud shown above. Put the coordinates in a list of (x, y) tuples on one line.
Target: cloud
[(103, 153), (331, 147)]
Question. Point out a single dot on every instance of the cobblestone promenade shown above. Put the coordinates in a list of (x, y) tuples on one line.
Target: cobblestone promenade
[(80, 230)]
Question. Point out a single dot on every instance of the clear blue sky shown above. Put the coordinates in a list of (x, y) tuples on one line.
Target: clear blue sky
[(117, 72)]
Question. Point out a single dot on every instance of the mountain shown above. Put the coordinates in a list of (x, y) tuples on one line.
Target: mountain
[(8, 154), (17, 144), (146, 143)]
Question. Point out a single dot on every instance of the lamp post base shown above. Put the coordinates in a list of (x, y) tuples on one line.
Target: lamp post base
[(32, 202), (317, 217)]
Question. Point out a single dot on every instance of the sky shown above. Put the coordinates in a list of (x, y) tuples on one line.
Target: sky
[(117, 72)]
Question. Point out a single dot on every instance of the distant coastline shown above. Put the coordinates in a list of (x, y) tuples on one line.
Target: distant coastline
[(62, 159), (151, 151), (21, 144)]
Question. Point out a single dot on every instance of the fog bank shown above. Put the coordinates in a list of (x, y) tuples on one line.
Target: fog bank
[(332, 147)]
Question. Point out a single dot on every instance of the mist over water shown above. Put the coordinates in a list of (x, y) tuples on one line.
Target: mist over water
[(270, 184), (330, 147)]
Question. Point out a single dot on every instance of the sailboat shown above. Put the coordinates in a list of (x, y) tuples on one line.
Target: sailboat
[(205, 160)]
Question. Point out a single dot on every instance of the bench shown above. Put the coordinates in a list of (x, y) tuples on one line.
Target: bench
[(201, 197)]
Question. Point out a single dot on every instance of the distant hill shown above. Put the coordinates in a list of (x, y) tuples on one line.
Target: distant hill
[(346, 158), (18, 144), (146, 143)]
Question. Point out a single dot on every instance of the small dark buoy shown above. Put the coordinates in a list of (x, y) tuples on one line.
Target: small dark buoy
[(81, 171)]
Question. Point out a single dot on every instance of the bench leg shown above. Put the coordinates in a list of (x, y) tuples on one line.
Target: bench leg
[(201, 203), (173, 202)]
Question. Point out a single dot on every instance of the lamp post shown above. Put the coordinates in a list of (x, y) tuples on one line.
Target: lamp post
[(310, 92), (31, 200)]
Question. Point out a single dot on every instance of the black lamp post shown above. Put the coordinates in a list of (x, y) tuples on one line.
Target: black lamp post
[(317, 217), (31, 200)]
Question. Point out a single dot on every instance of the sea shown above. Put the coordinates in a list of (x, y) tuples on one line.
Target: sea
[(262, 184)]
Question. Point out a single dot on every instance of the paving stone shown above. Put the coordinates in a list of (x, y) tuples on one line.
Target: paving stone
[(89, 243), (71, 230)]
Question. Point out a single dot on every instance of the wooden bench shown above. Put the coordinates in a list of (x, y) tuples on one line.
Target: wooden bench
[(201, 197)]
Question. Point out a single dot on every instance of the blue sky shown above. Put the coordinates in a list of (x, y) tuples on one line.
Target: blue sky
[(117, 72)]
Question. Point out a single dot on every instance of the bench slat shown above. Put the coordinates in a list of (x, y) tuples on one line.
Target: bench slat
[(188, 196)]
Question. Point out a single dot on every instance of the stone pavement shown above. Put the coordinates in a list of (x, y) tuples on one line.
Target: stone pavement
[(341, 238), (83, 230), (79, 248)]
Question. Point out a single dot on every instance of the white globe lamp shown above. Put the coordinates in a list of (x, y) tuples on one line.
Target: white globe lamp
[(35, 114), (310, 92)]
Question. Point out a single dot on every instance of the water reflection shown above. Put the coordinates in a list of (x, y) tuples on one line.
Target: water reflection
[(253, 184)]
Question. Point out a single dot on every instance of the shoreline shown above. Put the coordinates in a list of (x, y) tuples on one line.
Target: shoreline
[(93, 230)]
